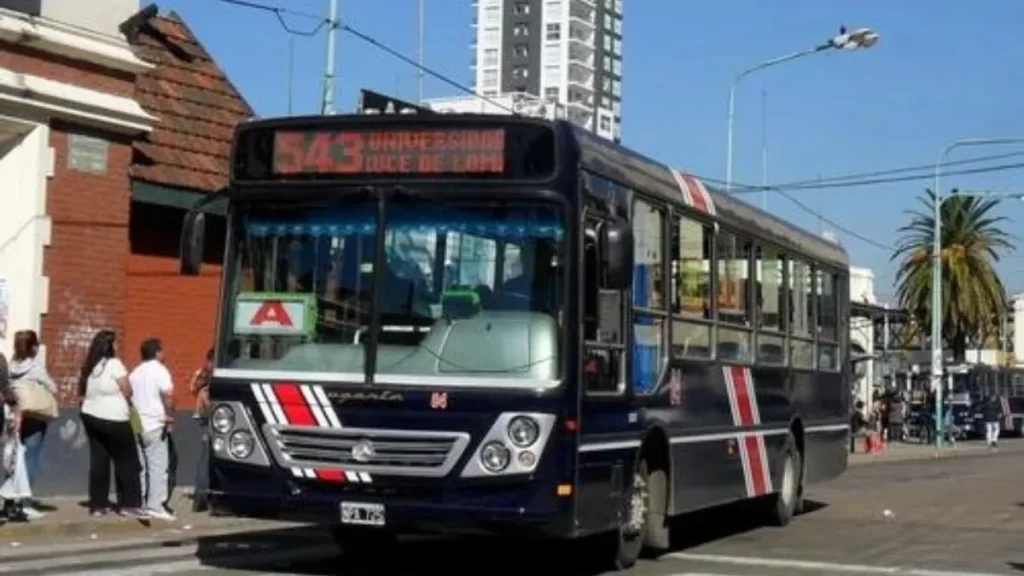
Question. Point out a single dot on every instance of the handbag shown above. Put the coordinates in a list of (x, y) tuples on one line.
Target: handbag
[(35, 400), (135, 419), (17, 485)]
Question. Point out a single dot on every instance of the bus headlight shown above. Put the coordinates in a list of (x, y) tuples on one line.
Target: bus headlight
[(241, 444), (523, 431), (495, 457), (222, 419)]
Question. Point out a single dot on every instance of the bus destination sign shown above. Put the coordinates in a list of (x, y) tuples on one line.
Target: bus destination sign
[(375, 152)]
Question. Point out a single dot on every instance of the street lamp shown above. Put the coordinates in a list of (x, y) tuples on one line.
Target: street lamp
[(937, 368), (860, 38)]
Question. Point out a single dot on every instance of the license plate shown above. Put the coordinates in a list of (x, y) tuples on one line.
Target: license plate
[(362, 513)]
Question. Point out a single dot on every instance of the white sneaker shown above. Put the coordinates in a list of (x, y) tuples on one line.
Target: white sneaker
[(32, 514), (161, 515)]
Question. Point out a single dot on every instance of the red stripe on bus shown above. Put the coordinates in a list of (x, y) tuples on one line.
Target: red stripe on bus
[(294, 405)]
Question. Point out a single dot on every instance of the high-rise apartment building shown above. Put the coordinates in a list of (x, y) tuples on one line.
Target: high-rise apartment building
[(567, 52)]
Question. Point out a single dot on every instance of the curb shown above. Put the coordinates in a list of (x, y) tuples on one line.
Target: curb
[(175, 538), (185, 527), (931, 455)]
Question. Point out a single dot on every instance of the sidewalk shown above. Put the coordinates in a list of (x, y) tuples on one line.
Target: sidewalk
[(899, 451), (67, 518)]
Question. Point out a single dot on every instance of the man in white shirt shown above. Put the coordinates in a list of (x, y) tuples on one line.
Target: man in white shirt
[(153, 399)]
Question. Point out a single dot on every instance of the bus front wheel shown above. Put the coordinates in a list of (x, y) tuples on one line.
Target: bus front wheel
[(633, 532)]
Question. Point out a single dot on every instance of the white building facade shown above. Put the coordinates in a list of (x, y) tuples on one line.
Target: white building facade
[(862, 332), (565, 52), (66, 78)]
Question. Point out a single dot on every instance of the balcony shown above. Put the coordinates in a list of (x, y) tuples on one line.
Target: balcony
[(581, 77), (580, 98), (581, 33), (591, 3), (583, 15), (581, 56)]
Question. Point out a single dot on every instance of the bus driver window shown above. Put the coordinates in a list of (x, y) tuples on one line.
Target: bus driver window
[(602, 322)]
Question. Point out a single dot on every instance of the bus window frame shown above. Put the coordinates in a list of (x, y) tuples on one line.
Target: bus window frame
[(812, 339), (749, 330), (819, 340), (304, 193), (676, 216), (784, 303), (664, 314), (622, 387)]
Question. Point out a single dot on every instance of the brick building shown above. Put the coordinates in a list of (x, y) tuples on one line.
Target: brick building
[(182, 158), (102, 144)]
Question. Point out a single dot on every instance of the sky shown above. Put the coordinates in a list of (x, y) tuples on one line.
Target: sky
[(943, 70)]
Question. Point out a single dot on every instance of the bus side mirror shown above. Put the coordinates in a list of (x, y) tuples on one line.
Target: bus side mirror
[(617, 254), (193, 239)]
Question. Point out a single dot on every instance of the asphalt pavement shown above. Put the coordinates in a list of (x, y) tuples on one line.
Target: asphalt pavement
[(953, 516)]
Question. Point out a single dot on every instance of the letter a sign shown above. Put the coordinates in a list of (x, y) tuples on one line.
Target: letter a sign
[(274, 314), (271, 312)]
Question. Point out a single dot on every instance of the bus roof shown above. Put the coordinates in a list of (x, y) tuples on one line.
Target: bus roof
[(640, 172)]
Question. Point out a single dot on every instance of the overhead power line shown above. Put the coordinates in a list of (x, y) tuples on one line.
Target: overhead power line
[(817, 214), (425, 69), (272, 9), (887, 176), (345, 27), (280, 13)]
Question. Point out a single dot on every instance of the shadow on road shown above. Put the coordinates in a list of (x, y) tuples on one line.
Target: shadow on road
[(428, 555), (729, 521)]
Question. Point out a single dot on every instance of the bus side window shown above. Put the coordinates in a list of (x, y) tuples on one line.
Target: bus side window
[(602, 323)]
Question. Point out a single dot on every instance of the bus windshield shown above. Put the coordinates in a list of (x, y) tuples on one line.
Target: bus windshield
[(468, 290)]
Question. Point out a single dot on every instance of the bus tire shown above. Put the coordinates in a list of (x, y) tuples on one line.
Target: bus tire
[(632, 532), (657, 536), (788, 501)]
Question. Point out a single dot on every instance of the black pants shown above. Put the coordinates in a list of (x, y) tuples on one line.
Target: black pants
[(172, 468), (112, 441)]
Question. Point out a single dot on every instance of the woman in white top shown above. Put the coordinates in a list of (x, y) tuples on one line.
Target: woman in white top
[(25, 365), (106, 415)]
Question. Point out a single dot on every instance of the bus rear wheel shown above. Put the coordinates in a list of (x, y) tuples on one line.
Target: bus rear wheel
[(788, 501)]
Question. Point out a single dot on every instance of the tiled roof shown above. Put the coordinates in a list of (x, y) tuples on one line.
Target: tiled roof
[(196, 105)]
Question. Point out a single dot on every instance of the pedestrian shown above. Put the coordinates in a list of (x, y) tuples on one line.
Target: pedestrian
[(153, 399), (859, 425), (200, 388), (992, 413), (896, 407), (106, 416), (10, 426), (25, 366), (883, 417)]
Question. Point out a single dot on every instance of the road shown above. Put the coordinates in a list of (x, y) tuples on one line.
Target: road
[(956, 517)]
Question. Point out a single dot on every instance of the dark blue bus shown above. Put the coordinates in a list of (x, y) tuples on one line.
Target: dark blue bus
[(460, 322)]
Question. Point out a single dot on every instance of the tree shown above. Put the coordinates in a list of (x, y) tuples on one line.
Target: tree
[(971, 240)]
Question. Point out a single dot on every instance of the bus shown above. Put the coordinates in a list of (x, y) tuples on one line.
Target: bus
[(972, 383), (468, 322)]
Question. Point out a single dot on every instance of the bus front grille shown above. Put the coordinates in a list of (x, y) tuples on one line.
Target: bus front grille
[(423, 453)]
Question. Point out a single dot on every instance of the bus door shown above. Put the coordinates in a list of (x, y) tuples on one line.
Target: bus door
[(608, 433)]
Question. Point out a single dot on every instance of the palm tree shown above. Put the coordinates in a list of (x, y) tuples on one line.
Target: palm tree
[(971, 240)]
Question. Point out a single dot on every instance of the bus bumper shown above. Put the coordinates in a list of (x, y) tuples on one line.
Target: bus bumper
[(528, 506)]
